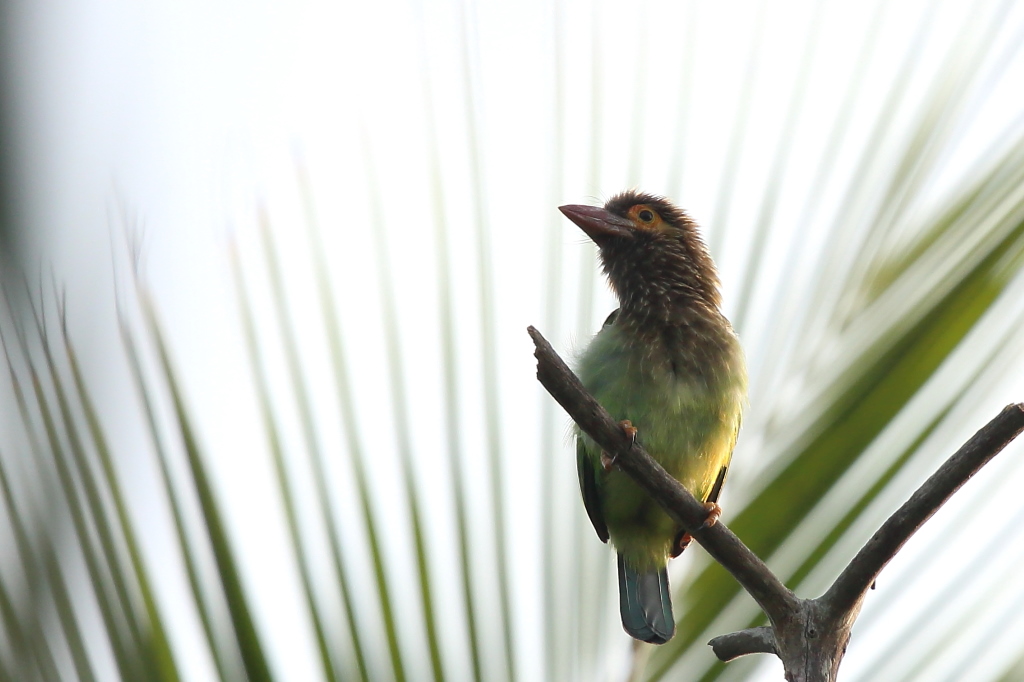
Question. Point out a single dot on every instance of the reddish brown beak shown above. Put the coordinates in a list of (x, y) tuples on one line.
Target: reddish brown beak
[(597, 222)]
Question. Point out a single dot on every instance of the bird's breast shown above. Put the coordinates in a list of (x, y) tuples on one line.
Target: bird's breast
[(682, 389), (674, 361)]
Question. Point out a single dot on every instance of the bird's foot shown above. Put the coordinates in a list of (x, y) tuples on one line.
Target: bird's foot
[(684, 539), (714, 511), (630, 430), (607, 462)]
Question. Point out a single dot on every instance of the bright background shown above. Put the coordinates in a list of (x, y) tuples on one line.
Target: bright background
[(418, 152)]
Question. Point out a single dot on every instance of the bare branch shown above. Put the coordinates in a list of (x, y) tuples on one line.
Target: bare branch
[(858, 576), (759, 640)]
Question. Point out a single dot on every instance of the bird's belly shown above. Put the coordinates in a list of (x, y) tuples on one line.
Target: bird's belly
[(685, 422)]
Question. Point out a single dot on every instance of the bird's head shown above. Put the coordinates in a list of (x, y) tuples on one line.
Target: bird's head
[(651, 252)]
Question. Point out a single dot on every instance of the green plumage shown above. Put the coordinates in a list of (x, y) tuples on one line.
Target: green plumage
[(669, 362)]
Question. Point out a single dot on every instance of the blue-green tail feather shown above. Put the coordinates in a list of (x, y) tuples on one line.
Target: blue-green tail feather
[(646, 604)]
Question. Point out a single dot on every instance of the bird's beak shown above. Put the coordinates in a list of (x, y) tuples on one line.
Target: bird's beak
[(597, 222)]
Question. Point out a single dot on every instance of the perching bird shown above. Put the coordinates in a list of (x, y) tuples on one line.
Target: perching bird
[(668, 363)]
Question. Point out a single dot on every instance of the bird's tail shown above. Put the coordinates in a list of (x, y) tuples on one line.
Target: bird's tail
[(646, 604)]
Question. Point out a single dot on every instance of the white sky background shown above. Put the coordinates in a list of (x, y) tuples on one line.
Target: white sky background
[(194, 114)]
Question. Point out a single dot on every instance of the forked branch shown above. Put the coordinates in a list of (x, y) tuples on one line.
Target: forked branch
[(809, 635)]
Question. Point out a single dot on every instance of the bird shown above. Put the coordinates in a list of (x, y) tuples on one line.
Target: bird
[(668, 365)]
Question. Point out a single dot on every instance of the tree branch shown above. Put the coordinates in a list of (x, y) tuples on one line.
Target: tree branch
[(809, 635), (759, 640), (858, 576)]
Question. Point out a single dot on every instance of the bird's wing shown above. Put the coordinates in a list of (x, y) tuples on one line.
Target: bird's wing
[(588, 486), (588, 476), (716, 489)]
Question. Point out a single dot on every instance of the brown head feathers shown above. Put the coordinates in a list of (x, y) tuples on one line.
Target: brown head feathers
[(669, 212), (664, 267)]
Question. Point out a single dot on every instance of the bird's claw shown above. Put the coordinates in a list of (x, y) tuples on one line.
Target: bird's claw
[(630, 430), (684, 539), (714, 511), (682, 542), (607, 462)]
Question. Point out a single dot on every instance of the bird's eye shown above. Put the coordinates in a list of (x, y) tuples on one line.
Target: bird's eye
[(646, 215)]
